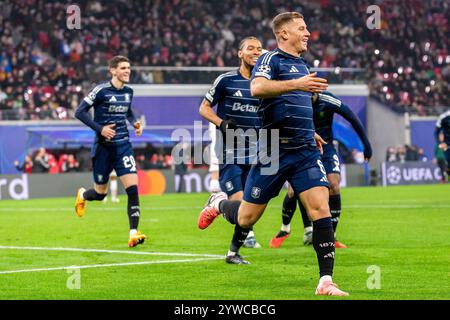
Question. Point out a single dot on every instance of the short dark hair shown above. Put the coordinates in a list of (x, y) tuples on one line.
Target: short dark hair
[(241, 44), (114, 62), (284, 18)]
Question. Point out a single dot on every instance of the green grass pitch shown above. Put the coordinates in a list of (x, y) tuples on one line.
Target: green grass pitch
[(403, 231)]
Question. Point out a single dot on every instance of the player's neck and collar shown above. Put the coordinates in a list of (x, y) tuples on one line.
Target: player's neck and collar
[(289, 52), (245, 72), (117, 84)]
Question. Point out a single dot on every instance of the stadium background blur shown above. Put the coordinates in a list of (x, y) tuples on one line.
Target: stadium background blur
[(46, 68)]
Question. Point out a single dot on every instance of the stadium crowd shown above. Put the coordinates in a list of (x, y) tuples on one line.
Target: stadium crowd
[(45, 67), (79, 160), (404, 153)]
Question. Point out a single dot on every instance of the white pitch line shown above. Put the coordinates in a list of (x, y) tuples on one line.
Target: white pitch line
[(43, 209), (175, 254), (108, 265), (362, 206)]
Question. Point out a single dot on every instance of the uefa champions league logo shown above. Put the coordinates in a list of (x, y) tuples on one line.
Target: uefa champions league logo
[(394, 175), (264, 68)]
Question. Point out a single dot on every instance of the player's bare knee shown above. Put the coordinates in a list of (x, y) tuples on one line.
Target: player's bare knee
[(318, 211), (101, 189), (334, 188)]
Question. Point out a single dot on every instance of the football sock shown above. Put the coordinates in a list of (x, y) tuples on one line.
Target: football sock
[(133, 206), (91, 195), (113, 188), (239, 236), (335, 209), (229, 209), (289, 205), (323, 243), (306, 222), (214, 185)]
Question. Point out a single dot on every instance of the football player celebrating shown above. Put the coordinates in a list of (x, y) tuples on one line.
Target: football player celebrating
[(112, 149)]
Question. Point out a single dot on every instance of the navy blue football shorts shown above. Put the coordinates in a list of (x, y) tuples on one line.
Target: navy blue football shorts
[(232, 177), (330, 159), (302, 168), (109, 157)]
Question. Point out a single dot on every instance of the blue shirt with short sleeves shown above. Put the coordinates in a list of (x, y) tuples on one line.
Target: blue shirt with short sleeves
[(231, 93), (291, 113)]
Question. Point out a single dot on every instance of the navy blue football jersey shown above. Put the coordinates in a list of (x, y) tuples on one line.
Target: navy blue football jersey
[(443, 125), (291, 113), (111, 105), (326, 105), (231, 93)]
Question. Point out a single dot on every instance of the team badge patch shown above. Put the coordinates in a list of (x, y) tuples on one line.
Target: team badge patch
[(127, 97), (256, 192), (264, 68)]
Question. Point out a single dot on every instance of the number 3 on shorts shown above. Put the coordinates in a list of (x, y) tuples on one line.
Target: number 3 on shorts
[(129, 162)]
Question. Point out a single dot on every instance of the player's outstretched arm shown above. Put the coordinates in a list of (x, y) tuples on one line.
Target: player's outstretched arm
[(262, 87)]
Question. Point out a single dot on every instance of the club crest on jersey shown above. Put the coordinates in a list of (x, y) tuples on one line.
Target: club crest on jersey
[(229, 185), (100, 178), (127, 97), (256, 192), (264, 68)]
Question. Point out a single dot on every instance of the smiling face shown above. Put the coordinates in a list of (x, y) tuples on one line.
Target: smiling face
[(249, 52), (121, 72), (296, 35)]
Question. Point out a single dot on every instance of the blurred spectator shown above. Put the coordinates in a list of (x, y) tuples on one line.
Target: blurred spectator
[(41, 161), (405, 153), (84, 159), (357, 156), (26, 166), (44, 68), (421, 155), (68, 163), (391, 155)]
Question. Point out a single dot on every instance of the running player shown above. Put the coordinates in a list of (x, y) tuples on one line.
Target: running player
[(112, 149), (325, 105), (282, 80)]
